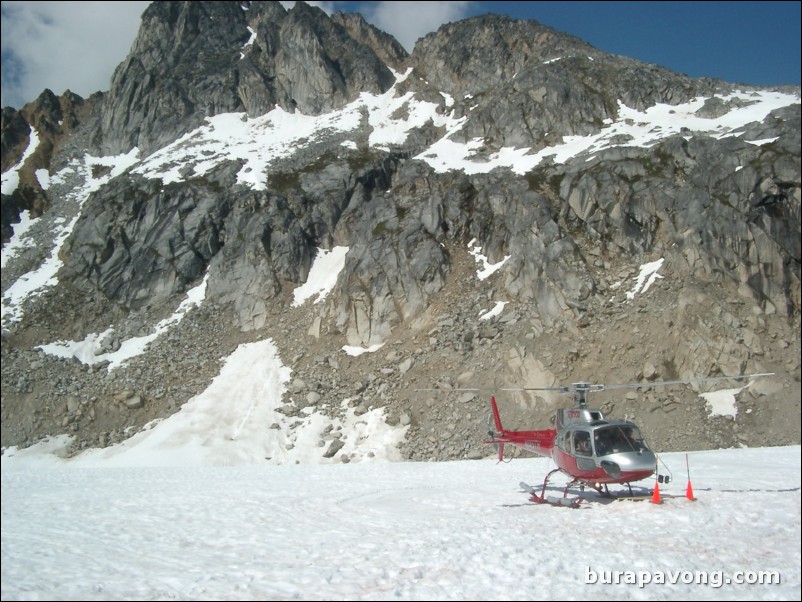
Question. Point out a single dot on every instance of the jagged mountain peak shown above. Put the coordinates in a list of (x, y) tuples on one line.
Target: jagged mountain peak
[(177, 28), (386, 47), (484, 50), (526, 37), (193, 60)]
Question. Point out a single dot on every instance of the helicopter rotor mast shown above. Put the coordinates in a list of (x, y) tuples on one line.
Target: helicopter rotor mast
[(579, 391)]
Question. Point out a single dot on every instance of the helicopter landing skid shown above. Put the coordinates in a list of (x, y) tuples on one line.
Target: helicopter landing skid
[(554, 501)]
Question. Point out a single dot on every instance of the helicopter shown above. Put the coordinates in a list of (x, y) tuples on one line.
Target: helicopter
[(589, 449)]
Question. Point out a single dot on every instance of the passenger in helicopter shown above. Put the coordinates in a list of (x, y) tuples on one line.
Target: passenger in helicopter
[(582, 444)]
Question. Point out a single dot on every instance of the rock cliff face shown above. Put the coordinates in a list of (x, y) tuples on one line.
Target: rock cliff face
[(247, 137), (38, 129)]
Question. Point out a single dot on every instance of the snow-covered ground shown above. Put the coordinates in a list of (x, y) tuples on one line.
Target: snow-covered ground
[(73, 530)]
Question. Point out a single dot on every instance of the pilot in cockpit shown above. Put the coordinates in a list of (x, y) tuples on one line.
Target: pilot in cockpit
[(602, 444)]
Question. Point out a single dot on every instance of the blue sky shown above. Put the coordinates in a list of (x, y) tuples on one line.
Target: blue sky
[(77, 45)]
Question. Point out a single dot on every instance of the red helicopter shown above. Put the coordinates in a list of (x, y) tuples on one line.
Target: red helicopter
[(591, 450)]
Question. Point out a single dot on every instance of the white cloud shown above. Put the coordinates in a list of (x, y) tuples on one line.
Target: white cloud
[(405, 21), (55, 45), (408, 21)]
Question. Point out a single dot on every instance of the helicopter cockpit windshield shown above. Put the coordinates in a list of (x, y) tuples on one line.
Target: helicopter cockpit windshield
[(618, 439)]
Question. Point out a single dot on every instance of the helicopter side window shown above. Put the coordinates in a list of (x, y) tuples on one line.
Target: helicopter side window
[(582, 443)]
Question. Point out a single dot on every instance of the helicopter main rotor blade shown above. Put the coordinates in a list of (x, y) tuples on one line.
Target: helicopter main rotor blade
[(660, 383), (477, 389), (589, 387), (450, 389)]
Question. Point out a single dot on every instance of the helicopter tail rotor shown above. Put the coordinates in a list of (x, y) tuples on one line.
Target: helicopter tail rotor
[(500, 447), (499, 429)]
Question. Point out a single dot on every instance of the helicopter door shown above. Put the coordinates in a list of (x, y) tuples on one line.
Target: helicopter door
[(582, 451)]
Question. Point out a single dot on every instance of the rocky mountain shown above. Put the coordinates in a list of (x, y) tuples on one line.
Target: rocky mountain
[(496, 195)]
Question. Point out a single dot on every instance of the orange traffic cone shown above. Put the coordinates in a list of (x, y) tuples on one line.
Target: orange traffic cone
[(656, 495), (689, 492)]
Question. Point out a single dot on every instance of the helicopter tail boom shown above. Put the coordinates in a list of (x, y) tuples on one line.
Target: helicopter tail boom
[(539, 442)]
